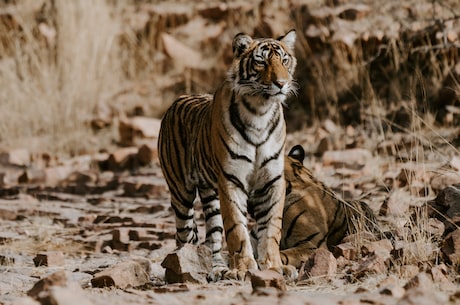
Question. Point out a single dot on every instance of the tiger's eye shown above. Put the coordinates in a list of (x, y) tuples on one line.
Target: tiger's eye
[(285, 61)]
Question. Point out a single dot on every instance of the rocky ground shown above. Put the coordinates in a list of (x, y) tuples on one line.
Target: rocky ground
[(95, 229)]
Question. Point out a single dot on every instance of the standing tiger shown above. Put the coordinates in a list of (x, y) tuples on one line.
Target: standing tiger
[(230, 150)]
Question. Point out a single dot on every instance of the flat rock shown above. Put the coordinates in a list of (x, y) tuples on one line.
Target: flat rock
[(266, 279), (41, 287), (50, 259), (125, 274), (190, 263)]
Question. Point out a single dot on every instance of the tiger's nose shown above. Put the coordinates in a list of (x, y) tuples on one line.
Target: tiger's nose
[(280, 83)]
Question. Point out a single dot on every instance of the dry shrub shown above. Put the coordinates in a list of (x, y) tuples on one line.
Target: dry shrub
[(53, 80)]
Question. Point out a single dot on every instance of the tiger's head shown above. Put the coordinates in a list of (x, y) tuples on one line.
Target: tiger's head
[(263, 67)]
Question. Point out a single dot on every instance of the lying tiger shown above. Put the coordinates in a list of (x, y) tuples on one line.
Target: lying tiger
[(313, 216), (229, 149)]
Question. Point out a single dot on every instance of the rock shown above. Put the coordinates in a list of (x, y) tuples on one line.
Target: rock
[(451, 247), (444, 180), (123, 158), (373, 263), (355, 158), (56, 174), (439, 273), (446, 207), (190, 263), (347, 250), (17, 157), (6, 260), (393, 290), (58, 278), (138, 127), (33, 176), (266, 279), (409, 271), (421, 281), (71, 294), (142, 186), (7, 214), (55, 289), (125, 274), (381, 248), (395, 205), (322, 263), (26, 301), (147, 153), (50, 259)]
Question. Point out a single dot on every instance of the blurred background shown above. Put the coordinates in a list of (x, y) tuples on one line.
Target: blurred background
[(71, 70)]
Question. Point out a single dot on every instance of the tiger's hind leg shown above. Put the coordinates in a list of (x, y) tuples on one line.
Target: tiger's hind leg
[(214, 231), (186, 228)]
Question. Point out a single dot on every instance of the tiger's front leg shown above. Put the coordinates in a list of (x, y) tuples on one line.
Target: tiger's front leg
[(233, 201), (267, 204)]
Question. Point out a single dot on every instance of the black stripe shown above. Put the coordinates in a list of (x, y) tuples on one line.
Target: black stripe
[(309, 238), (236, 121), (211, 215), (274, 157), (272, 128), (230, 230), (234, 155), (180, 230), (233, 179), (293, 223), (264, 190), (248, 106), (208, 199), (214, 230), (180, 215)]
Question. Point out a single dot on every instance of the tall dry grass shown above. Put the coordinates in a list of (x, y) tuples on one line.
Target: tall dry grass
[(51, 83)]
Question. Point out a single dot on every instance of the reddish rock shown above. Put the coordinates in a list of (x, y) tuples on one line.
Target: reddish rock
[(7, 214), (266, 279), (125, 274), (322, 263), (347, 250), (58, 278), (451, 247), (50, 259), (190, 263)]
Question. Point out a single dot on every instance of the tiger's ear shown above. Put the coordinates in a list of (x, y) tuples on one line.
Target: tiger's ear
[(241, 43), (298, 153), (289, 39)]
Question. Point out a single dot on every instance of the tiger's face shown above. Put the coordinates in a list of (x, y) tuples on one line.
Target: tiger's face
[(263, 67)]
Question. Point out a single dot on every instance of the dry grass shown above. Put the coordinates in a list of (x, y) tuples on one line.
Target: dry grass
[(50, 85)]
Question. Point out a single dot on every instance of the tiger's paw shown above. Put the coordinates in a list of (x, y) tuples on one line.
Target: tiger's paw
[(224, 273), (289, 272)]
